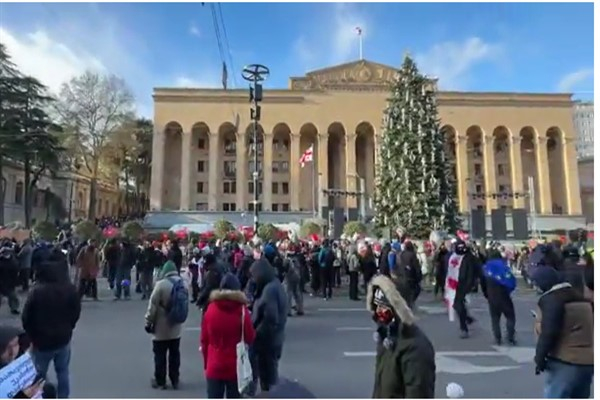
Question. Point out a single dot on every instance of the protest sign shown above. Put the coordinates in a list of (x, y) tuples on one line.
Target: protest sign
[(16, 376)]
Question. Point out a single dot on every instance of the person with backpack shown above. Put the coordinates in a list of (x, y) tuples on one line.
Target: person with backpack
[(167, 311), (291, 280), (326, 259)]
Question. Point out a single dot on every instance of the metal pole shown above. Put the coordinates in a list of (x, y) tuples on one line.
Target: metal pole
[(532, 207), (71, 201), (255, 129), (469, 207), (363, 199), (314, 202)]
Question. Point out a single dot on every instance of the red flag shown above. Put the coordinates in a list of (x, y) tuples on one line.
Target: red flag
[(307, 156)]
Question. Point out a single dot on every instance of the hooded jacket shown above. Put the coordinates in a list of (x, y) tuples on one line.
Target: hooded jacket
[(157, 312), (270, 309), (51, 311), (407, 368), (221, 331)]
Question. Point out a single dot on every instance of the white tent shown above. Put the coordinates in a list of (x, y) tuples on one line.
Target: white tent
[(194, 228)]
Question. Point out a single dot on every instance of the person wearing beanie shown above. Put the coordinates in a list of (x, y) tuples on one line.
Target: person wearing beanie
[(564, 325), (405, 361), (166, 334), (226, 323)]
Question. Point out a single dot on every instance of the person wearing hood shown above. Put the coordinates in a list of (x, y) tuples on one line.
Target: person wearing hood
[(405, 362), (499, 284), (226, 322), (408, 274), (213, 274), (572, 267), (166, 335), (269, 317), (50, 314), (564, 325)]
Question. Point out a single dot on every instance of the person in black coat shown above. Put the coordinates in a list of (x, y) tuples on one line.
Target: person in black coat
[(213, 273), (176, 255), (50, 315), (469, 274), (9, 277), (127, 259), (407, 274), (497, 290), (112, 254), (440, 268)]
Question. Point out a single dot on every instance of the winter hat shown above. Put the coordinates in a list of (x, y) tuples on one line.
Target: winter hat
[(230, 282), (454, 391), (168, 267), (545, 277), (380, 299)]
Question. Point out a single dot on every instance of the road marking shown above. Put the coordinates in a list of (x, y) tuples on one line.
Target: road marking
[(360, 354), (342, 309), (354, 328), (192, 328)]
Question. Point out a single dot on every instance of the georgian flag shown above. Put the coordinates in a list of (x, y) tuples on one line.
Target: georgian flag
[(307, 156), (452, 283)]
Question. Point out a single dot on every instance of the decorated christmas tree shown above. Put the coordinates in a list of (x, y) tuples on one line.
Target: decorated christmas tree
[(415, 187)]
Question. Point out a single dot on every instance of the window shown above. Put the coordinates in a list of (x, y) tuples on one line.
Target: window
[(229, 146), (285, 207), (19, 193), (229, 187), (229, 169), (274, 187), (275, 167), (202, 144), (201, 206), (199, 187), (477, 169), (285, 188), (200, 166), (275, 207), (480, 207), (251, 207), (228, 206), (284, 166), (251, 166), (501, 170), (478, 189), (251, 187)]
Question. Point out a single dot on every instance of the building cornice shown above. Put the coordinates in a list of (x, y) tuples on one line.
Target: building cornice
[(287, 96)]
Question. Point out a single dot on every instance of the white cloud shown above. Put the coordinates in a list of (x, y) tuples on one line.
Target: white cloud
[(194, 30), (453, 61), (52, 62), (334, 41), (570, 81)]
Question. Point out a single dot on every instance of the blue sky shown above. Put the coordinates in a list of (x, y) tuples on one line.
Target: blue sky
[(536, 47)]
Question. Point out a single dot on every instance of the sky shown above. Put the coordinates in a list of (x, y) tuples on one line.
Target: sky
[(510, 47)]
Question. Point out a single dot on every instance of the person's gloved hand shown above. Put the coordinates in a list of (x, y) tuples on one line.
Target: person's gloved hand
[(149, 328), (540, 366)]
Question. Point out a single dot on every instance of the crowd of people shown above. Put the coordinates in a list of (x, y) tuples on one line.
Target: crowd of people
[(246, 292)]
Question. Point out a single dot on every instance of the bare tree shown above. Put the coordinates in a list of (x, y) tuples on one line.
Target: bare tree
[(94, 107)]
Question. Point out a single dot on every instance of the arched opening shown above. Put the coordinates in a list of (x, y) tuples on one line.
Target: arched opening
[(280, 190), (309, 177), (227, 167), (200, 165), (556, 169), (172, 177), (450, 138), (365, 160), (336, 162), (19, 191), (501, 136), (475, 164), (250, 167), (529, 166)]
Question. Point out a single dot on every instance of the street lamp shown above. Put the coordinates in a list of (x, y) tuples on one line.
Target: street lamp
[(255, 73)]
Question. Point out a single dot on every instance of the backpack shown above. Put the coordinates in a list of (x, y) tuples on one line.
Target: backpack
[(177, 311)]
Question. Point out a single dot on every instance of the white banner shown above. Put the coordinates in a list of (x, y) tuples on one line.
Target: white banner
[(16, 376)]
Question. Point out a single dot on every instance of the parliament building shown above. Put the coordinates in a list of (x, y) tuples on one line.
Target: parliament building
[(501, 142)]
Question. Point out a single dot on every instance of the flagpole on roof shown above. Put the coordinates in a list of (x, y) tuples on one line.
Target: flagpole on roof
[(360, 42)]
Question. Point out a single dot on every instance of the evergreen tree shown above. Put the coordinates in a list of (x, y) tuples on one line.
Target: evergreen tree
[(415, 189)]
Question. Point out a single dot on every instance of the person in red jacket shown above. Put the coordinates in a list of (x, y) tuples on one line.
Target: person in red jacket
[(221, 331)]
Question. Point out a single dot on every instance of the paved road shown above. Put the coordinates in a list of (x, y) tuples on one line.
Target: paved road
[(329, 350)]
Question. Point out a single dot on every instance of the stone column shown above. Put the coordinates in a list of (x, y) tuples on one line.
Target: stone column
[(267, 164), (158, 171), (185, 197), (241, 169), (295, 172), (351, 174), (214, 187), (489, 168), (516, 171), (462, 174), (322, 167), (572, 192), (542, 191)]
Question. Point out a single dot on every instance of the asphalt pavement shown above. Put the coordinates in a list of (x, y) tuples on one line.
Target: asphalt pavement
[(330, 350)]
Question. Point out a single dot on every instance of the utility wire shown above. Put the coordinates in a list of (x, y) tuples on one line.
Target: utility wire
[(231, 64)]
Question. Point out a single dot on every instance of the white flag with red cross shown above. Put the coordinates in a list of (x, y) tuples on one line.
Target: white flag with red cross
[(307, 156)]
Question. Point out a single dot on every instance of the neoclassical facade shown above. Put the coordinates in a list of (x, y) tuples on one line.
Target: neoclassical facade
[(203, 145)]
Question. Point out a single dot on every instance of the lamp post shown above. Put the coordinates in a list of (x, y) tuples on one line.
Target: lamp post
[(255, 73)]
